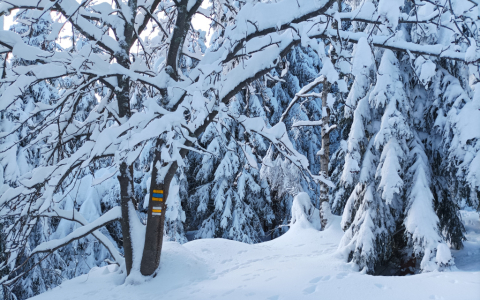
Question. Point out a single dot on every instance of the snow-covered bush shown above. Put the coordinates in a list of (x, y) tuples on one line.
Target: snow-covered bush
[(304, 214)]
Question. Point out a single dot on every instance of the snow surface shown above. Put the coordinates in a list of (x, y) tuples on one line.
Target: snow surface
[(302, 264)]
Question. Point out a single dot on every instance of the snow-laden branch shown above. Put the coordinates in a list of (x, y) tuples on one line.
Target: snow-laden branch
[(50, 246), (76, 216), (278, 136), (330, 128), (308, 123), (71, 10), (110, 216), (368, 13), (306, 89), (394, 43), (251, 21)]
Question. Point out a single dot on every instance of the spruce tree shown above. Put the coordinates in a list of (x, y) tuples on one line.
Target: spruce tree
[(229, 198), (301, 66)]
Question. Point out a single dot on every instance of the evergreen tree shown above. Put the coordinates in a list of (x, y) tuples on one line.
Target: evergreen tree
[(356, 107), (409, 154), (398, 169), (229, 198), (302, 65)]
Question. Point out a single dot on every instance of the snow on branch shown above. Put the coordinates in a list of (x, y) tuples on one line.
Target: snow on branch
[(110, 216), (390, 42), (367, 13), (303, 93), (278, 136), (251, 21), (76, 216), (50, 246), (307, 123)]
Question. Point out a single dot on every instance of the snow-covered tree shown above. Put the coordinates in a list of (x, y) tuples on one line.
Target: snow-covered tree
[(230, 200), (18, 158), (105, 66), (301, 65), (401, 152), (184, 91)]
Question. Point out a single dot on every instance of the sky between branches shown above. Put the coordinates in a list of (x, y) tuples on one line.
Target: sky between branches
[(199, 22)]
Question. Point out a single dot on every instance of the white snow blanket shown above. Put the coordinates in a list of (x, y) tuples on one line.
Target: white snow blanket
[(302, 264)]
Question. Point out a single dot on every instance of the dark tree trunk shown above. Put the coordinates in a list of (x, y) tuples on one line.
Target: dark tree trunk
[(125, 178), (156, 215), (182, 24), (126, 193), (156, 219), (123, 97)]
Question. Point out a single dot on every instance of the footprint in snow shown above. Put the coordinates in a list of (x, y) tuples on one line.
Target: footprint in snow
[(225, 261), (454, 281), (274, 297), (271, 278), (242, 286), (326, 278), (316, 279), (341, 275), (228, 292), (380, 286), (309, 290)]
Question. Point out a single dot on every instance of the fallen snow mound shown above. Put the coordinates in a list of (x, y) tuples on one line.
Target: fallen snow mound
[(302, 264)]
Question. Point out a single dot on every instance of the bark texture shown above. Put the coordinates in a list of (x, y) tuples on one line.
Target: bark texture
[(155, 223), (325, 155), (126, 193)]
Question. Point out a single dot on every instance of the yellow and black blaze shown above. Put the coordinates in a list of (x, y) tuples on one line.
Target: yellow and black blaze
[(157, 196)]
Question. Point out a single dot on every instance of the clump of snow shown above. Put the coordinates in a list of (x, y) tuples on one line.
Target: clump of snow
[(425, 70), (443, 257), (137, 232), (472, 55), (362, 62), (389, 12), (366, 10), (304, 214), (362, 58), (342, 86), (328, 70), (476, 97)]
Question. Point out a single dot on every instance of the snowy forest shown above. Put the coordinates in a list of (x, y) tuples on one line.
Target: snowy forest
[(135, 131)]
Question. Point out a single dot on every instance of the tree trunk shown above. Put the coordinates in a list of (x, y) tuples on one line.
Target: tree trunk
[(125, 178), (325, 210), (156, 215), (159, 190), (182, 24), (325, 156), (157, 205), (126, 193)]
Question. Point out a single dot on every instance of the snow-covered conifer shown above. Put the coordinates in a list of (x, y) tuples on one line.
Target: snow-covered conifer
[(230, 200)]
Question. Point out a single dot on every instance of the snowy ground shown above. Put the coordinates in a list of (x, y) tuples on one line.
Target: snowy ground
[(302, 264)]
